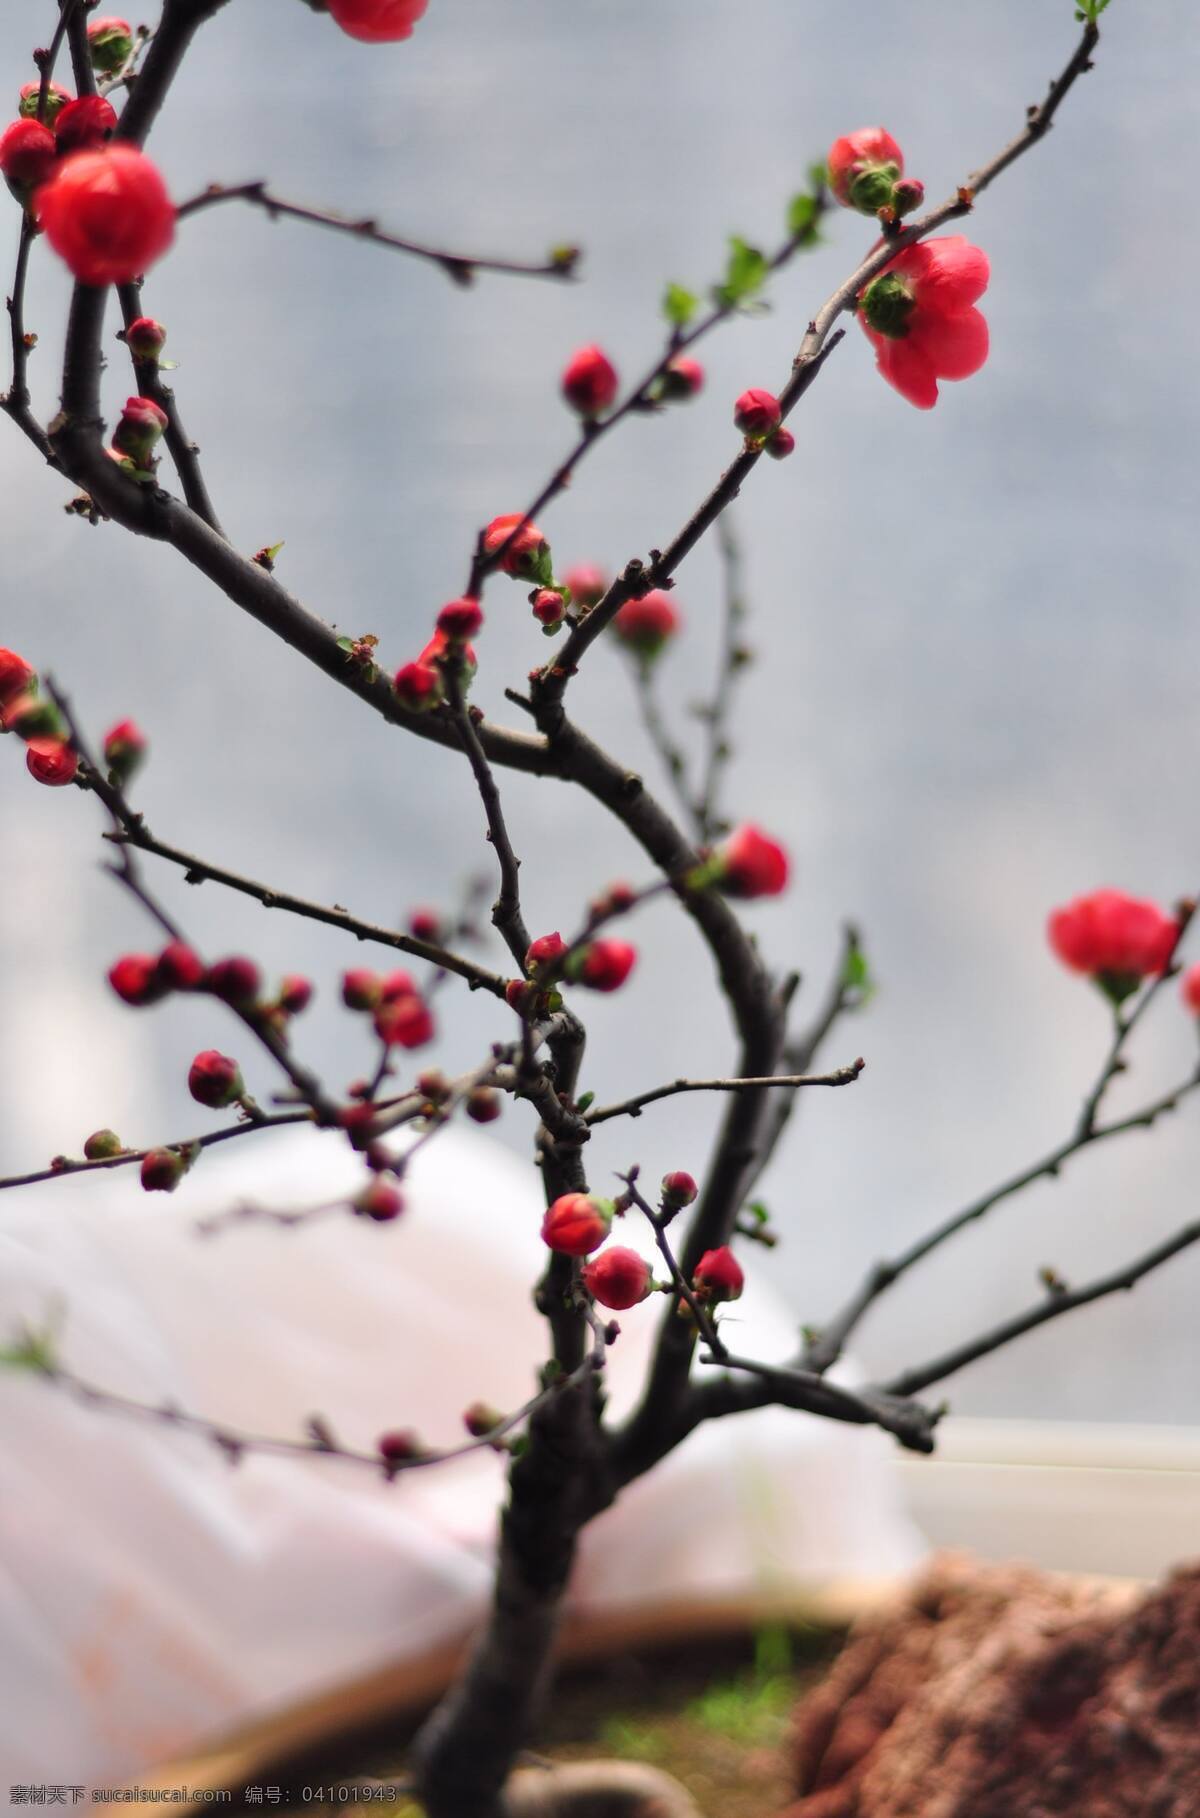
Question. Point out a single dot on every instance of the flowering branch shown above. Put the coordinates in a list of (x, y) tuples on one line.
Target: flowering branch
[(817, 344), (632, 1107), (133, 831), (641, 397), (63, 1164), (459, 267)]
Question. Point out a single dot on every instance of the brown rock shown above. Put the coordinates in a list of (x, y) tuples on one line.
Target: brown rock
[(1001, 1692)]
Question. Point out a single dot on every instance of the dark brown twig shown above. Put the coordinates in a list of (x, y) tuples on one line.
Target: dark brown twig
[(1058, 1300), (183, 451), (632, 1107), (460, 267), (64, 1165)]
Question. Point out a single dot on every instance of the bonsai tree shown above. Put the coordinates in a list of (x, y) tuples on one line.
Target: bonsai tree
[(88, 192)]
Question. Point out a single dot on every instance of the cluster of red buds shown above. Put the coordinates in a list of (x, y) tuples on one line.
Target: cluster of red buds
[(102, 204), (401, 1016), (140, 979), (49, 756), (421, 685), (601, 965), (759, 416)]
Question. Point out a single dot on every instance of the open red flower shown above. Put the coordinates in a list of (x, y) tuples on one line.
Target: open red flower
[(107, 213), (1115, 939), (918, 316), (377, 21)]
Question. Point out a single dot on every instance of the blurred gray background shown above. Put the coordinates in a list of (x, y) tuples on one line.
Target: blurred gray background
[(978, 650)]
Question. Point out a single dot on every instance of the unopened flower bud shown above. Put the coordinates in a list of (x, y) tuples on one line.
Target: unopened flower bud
[(757, 413), (418, 686), (589, 383), (577, 1223), (85, 124), (483, 1105), (526, 556), (236, 980), (479, 1419), (215, 1080), (617, 1278), (751, 865), (396, 1448), (295, 994), (124, 749), (404, 1022), (544, 951), (106, 213), (103, 1145), (548, 608), (603, 965), (460, 618), (395, 985), (718, 1275), (678, 1190), (32, 716), (647, 625), (361, 989), (864, 168), (433, 1085), (588, 584), (780, 445), (27, 154), (521, 996), (376, 21), (56, 99), (681, 379), (145, 339), (51, 762), (162, 1170), (908, 195), (110, 42), (381, 1201), (1189, 989), (16, 677), (135, 979), (426, 925), (180, 967), (140, 430)]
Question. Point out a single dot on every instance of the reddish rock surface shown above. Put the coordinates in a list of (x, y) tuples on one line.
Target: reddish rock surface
[(1000, 1692)]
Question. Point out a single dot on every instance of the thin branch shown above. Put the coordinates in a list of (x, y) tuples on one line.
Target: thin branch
[(235, 1442), (460, 267), (133, 831), (64, 1165), (128, 873), (1058, 1300), (731, 662), (827, 1345), (183, 451), (632, 1107), (181, 19), (640, 398), (506, 910), (891, 1408), (659, 734), (1124, 1025)]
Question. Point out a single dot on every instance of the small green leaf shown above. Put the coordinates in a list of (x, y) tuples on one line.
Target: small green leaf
[(804, 211), (818, 176), (679, 305), (757, 1211), (585, 1101), (744, 274), (31, 1351), (856, 975)]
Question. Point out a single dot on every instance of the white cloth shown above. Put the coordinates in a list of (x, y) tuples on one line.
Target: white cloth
[(151, 1594)]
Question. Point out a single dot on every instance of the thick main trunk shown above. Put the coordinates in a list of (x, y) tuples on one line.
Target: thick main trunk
[(465, 1752)]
